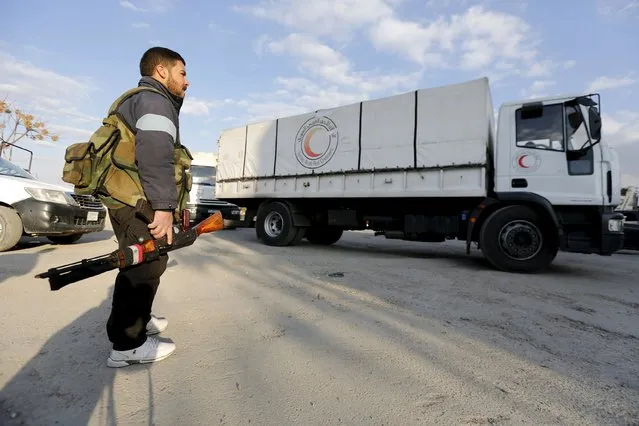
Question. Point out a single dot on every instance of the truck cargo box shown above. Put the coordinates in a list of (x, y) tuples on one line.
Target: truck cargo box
[(425, 143)]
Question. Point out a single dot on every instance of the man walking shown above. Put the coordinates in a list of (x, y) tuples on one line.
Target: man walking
[(153, 117)]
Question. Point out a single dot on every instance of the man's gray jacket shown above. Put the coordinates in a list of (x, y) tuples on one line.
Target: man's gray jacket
[(155, 121)]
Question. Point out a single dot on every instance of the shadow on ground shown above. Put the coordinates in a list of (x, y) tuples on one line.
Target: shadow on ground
[(34, 242), (552, 320), (68, 373)]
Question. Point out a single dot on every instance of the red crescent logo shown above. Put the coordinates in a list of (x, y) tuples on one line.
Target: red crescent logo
[(520, 161), (307, 144)]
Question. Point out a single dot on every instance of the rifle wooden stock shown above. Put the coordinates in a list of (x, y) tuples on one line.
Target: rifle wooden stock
[(145, 251)]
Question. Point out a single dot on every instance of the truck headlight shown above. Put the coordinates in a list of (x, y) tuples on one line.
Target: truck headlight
[(615, 225), (51, 196)]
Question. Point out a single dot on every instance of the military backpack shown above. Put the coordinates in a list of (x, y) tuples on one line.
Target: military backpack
[(105, 166)]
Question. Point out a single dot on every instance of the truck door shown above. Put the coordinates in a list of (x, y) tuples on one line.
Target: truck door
[(547, 156)]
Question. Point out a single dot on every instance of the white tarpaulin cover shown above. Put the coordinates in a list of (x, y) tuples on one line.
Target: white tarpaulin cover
[(425, 129)]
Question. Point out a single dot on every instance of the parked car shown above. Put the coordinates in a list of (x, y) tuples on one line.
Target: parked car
[(31, 207)]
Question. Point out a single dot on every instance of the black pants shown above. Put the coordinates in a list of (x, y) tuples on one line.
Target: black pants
[(135, 286)]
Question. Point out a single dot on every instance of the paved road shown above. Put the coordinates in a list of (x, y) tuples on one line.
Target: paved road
[(369, 331)]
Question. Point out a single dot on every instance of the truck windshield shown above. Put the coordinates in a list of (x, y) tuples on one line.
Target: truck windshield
[(7, 168), (203, 175)]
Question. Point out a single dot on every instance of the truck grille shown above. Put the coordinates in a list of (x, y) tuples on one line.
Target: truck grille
[(88, 202)]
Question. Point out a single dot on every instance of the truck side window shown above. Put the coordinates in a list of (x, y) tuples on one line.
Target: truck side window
[(580, 161), (541, 128)]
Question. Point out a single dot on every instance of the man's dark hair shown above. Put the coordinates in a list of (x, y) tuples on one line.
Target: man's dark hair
[(158, 55)]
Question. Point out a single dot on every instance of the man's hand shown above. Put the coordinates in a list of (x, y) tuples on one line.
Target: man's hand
[(162, 225)]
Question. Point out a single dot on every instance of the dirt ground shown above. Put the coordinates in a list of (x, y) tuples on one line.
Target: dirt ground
[(369, 331)]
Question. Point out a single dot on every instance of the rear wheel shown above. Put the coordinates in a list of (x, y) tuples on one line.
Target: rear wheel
[(517, 239), (274, 225), (10, 228)]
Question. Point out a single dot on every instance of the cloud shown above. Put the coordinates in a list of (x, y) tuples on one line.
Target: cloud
[(569, 64), (218, 29), (52, 97), (604, 82), (320, 60), (28, 80), (260, 43), (141, 25), (71, 132), (474, 40), (621, 128), (196, 106), (538, 89), (477, 40), (326, 18), (623, 8), (156, 6), (621, 131)]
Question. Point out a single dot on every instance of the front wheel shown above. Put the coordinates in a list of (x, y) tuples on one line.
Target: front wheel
[(517, 239), (10, 228)]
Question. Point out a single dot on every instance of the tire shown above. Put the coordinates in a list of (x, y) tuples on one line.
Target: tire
[(274, 225), (517, 239), (323, 235), (229, 225), (64, 239), (10, 228)]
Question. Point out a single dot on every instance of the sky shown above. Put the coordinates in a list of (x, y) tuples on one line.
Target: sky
[(253, 60)]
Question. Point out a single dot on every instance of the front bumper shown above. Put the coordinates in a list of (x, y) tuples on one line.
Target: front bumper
[(230, 212), (46, 218), (612, 240)]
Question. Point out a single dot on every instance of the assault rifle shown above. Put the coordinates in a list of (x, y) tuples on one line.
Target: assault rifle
[(144, 251)]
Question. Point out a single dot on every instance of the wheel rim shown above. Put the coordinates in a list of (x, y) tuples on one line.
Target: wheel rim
[(273, 224), (520, 240)]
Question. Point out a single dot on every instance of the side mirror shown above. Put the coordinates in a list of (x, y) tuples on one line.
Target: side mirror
[(594, 123)]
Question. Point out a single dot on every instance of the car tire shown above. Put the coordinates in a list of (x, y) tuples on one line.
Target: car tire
[(10, 228)]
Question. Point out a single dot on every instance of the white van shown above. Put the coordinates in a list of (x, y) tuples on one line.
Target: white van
[(30, 207)]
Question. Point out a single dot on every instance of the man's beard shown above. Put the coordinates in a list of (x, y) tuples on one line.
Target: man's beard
[(175, 88)]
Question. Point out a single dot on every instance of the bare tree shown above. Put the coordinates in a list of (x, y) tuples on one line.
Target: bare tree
[(15, 125)]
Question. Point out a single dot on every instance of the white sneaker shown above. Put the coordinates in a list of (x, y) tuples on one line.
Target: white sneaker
[(156, 325), (150, 351)]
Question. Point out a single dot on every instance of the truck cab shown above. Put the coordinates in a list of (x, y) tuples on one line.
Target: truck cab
[(31, 207), (552, 149), (202, 202)]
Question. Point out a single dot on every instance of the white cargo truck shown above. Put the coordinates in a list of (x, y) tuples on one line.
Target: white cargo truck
[(431, 165)]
